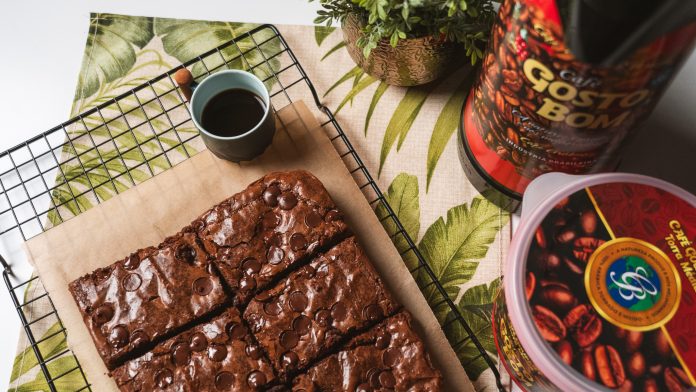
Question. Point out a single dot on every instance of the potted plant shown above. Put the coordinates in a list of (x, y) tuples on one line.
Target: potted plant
[(410, 42)]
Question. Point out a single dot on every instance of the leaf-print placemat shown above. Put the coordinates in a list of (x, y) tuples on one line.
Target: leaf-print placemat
[(406, 135)]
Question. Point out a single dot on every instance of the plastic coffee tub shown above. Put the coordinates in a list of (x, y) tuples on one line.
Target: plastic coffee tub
[(599, 288)]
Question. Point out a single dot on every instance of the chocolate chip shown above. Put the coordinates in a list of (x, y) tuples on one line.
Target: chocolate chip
[(301, 324), (103, 314), (198, 342), (263, 296), (202, 286), (373, 377), (386, 379), (132, 262), (186, 253), (383, 340), (333, 215), (313, 219), (275, 255), (252, 351), (298, 301), (270, 220), (164, 378), (251, 266), (181, 354), (323, 318), (118, 337), (256, 379), (131, 282), (289, 339), (287, 200), (391, 357), (275, 240), (139, 337), (339, 311), (372, 312), (364, 387), (237, 331), (224, 381), (217, 352), (272, 308), (270, 195), (247, 283), (290, 360), (298, 241)]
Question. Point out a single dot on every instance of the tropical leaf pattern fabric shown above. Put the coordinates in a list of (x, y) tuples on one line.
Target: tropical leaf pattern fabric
[(405, 136)]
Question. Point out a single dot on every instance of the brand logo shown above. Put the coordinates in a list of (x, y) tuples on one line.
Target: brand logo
[(633, 284)]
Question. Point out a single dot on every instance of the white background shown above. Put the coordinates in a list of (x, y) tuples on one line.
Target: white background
[(41, 44)]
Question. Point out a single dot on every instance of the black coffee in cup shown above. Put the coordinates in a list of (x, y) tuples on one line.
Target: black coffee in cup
[(233, 112)]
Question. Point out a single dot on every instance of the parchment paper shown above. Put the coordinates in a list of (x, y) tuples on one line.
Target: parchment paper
[(146, 214)]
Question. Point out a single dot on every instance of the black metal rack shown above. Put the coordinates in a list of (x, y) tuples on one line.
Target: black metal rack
[(127, 139)]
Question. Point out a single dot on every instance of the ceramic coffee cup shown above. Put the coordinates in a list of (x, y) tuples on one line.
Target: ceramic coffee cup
[(247, 145)]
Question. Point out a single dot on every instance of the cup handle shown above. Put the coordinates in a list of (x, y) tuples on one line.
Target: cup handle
[(184, 79)]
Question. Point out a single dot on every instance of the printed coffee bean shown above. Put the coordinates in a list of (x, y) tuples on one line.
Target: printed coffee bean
[(566, 236), (661, 344), (558, 298), (587, 365), (548, 261), (609, 367), (627, 386), (635, 365), (676, 380), (588, 221), (583, 247), (650, 385), (574, 266), (565, 351), (583, 324), (540, 237), (549, 325), (634, 339), (530, 284), (650, 206)]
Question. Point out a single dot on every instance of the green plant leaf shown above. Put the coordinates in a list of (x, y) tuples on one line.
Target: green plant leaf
[(447, 122), (381, 89), (333, 50), (362, 84), (454, 247), (475, 307), (348, 75), (54, 343), (402, 119), (109, 52), (66, 377), (402, 196), (321, 33)]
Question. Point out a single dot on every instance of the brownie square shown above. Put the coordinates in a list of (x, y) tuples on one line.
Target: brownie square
[(318, 306), (147, 296), (219, 355), (389, 357), (272, 226)]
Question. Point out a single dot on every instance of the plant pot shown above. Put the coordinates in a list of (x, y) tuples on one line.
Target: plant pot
[(412, 62)]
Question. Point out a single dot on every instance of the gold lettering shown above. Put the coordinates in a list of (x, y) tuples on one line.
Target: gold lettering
[(531, 67), (553, 110), (634, 98), (603, 121), (585, 98), (562, 91), (579, 120), (607, 99)]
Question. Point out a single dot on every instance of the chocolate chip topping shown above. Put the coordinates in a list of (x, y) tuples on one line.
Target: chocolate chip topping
[(247, 283), (298, 241), (164, 378), (386, 379), (289, 339), (301, 324), (297, 301), (287, 200), (181, 354), (313, 219), (102, 274), (373, 377), (118, 337), (217, 352), (224, 381), (275, 255), (256, 379), (290, 360), (275, 239), (236, 331), (333, 215), (251, 266), (323, 317), (270, 195), (364, 387), (339, 311), (253, 351), (383, 340), (186, 253), (139, 337), (132, 262), (272, 308), (103, 314), (202, 286), (270, 220), (198, 342), (131, 282), (391, 357), (372, 312)]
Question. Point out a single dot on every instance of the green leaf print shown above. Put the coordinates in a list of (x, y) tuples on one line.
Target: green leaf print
[(322, 32), (381, 89), (52, 342), (333, 50), (66, 377), (402, 196), (454, 247), (186, 39), (110, 52)]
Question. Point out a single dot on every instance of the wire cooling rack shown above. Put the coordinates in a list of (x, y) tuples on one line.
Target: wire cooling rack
[(125, 140)]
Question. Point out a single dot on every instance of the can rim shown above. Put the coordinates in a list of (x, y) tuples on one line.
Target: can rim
[(539, 351)]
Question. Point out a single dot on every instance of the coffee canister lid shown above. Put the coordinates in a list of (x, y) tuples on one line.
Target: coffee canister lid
[(603, 275)]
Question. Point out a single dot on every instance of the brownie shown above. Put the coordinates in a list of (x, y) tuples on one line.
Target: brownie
[(147, 296), (219, 355), (389, 357), (307, 313), (273, 225)]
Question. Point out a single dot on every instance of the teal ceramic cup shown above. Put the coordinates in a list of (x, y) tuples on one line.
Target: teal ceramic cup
[(247, 145)]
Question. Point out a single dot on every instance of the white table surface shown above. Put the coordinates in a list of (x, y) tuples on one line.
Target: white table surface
[(42, 41)]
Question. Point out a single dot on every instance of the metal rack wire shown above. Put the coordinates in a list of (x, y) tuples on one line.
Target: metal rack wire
[(127, 139)]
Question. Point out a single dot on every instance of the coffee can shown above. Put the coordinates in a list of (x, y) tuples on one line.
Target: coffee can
[(599, 288)]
